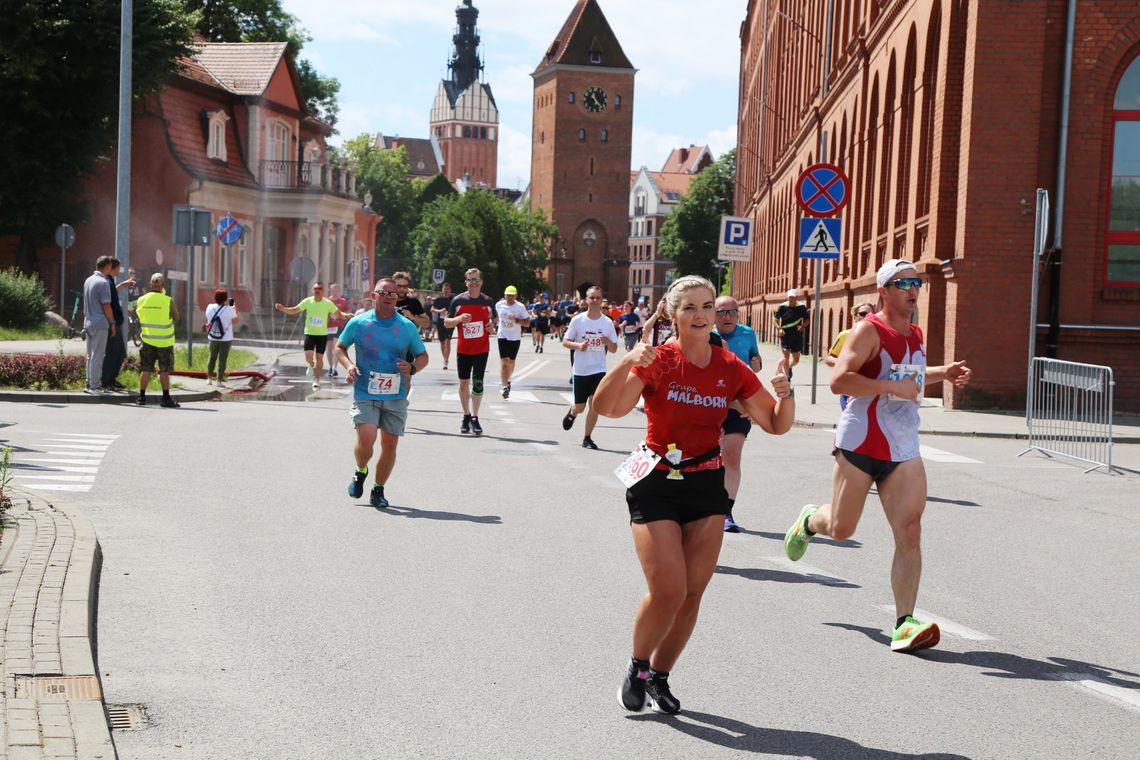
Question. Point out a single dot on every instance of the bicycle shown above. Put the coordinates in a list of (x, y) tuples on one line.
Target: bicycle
[(134, 334), (71, 331)]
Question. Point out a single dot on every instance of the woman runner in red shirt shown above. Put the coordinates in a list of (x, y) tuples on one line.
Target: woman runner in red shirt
[(675, 479)]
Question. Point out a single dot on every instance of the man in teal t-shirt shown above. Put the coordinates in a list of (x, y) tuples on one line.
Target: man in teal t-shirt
[(740, 340), (380, 380), (317, 309)]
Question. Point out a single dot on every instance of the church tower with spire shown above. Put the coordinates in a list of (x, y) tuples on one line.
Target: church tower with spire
[(464, 117), (581, 148)]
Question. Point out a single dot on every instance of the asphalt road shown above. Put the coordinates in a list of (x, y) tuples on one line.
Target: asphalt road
[(256, 611)]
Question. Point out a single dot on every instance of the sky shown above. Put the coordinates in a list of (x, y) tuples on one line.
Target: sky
[(390, 55)]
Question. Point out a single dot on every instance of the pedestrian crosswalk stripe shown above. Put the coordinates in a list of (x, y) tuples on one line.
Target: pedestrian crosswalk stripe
[(54, 476), (938, 455), (946, 626), (567, 397), (523, 397), (60, 461), (72, 446)]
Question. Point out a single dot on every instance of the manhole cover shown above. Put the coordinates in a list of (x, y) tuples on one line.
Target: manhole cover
[(126, 717)]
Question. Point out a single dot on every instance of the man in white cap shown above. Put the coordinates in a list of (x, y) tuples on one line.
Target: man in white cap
[(513, 317), (792, 316), (882, 368)]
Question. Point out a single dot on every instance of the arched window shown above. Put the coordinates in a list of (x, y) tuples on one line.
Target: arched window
[(581, 135), (1123, 234)]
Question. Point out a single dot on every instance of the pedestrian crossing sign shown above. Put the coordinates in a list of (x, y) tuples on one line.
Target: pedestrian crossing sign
[(820, 238)]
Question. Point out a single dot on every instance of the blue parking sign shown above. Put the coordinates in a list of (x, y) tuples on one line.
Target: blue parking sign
[(735, 239)]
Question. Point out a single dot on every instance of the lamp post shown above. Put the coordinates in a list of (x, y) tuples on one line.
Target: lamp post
[(123, 181)]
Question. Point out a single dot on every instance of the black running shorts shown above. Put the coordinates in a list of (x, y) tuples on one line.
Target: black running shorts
[(585, 385), (471, 365), (316, 343), (699, 495), (509, 349), (736, 422), (793, 341), (878, 469)]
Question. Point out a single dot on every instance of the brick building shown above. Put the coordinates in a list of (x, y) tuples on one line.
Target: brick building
[(580, 151), (946, 116), (653, 196), (230, 134), (464, 117)]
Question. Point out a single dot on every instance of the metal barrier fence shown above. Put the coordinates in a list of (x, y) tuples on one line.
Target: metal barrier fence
[(1069, 411)]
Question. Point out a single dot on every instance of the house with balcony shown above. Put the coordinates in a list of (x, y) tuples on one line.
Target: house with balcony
[(230, 134), (653, 196)]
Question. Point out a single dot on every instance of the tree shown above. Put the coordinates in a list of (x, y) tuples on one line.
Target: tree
[(689, 235), (384, 173), (478, 229), (437, 187), (268, 21), (59, 93)]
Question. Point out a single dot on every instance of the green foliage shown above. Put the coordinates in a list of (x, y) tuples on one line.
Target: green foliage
[(5, 481), (384, 173), (689, 235), (268, 21), (43, 371), (59, 93), (478, 229), (42, 331), (437, 187), (22, 300)]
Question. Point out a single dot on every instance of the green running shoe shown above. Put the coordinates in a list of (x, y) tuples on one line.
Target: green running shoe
[(797, 538), (913, 635)]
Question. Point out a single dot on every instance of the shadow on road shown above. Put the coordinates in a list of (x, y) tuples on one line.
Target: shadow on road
[(955, 502), (782, 576), (817, 541), (1006, 665), (425, 431), (427, 514), (738, 735)]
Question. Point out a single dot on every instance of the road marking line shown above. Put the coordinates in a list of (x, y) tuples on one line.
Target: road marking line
[(94, 461), (946, 625), (1129, 697), (75, 478), (938, 455), (449, 396), (85, 435), (59, 487), (91, 470), (542, 445), (86, 447), (522, 397), (530, 370), (102, 441), (569, 397)]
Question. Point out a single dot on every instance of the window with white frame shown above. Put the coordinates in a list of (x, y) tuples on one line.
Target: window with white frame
[(201, 258), (243, 256), (216, 135), (225, 253)]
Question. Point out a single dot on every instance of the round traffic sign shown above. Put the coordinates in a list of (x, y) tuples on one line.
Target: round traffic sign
[(822, 190), (65, 236), (228, 230), (302, 269)]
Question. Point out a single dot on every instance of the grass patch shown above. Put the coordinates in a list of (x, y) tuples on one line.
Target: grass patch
[(45, 331), (57, 372), (240, 358)]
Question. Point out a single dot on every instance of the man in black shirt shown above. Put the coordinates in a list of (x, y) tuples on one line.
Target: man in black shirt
[(792, 317), (117, 343), (407, 305), (439, 308)]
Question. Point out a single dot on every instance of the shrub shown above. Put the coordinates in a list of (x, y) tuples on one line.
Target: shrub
[(42, 371), (22, 299)]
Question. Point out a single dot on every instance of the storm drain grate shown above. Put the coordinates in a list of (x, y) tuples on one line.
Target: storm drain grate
[(126, 717)]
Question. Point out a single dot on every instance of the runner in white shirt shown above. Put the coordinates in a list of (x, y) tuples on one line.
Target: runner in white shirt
[(591, 335), (513, 317)]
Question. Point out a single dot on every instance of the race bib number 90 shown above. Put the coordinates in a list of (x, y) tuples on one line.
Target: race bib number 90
[(472, 330)]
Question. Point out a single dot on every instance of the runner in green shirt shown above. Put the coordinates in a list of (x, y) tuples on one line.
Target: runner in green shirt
[(317, 309)]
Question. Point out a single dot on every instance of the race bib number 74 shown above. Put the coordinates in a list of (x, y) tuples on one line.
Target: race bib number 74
[(383, 383)]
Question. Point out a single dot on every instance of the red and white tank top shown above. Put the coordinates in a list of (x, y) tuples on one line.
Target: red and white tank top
[(885, 427)]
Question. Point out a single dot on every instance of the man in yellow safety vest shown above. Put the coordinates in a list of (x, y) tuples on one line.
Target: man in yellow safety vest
[(157, 315)]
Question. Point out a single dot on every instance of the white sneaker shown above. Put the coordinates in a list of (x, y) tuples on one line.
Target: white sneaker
[(210, 382), (316, 385), (309, 371)]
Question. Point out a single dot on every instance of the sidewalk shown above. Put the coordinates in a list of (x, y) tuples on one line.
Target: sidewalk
[(52, 703)]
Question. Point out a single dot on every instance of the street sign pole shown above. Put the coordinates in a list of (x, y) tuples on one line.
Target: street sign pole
[(188, 320), (817, 305)]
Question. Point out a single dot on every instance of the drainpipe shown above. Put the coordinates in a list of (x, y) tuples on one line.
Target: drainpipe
[(1054, 255)]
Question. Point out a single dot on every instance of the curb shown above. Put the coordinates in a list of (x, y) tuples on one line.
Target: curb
[(53, 697), (72, 397)]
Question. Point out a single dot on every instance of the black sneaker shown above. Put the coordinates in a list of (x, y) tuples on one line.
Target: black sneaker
[(631, 695), (730, 525), (376, 497), (588, 443), (568, 421), (476, 428), (169, 403), (465, 428), (660, 698), (141, 400), (356, 487)]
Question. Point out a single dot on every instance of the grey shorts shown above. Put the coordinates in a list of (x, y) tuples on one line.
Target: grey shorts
[(389, 416)]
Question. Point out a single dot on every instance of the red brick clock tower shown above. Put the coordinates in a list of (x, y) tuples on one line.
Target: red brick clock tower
[(580, 151)]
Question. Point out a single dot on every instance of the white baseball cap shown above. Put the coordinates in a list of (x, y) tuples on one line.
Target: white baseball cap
[(793, 294), (888, 271)]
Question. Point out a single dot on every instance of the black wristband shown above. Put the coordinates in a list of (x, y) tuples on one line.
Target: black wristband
[(412, 371)]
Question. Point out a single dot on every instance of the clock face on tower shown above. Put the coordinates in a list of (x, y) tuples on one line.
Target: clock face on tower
[(594, 99)]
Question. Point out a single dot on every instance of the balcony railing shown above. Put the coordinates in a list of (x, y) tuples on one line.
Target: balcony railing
[(308, 175)]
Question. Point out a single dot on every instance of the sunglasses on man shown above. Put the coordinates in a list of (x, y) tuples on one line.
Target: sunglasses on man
[(906, 283), (727, 312)]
